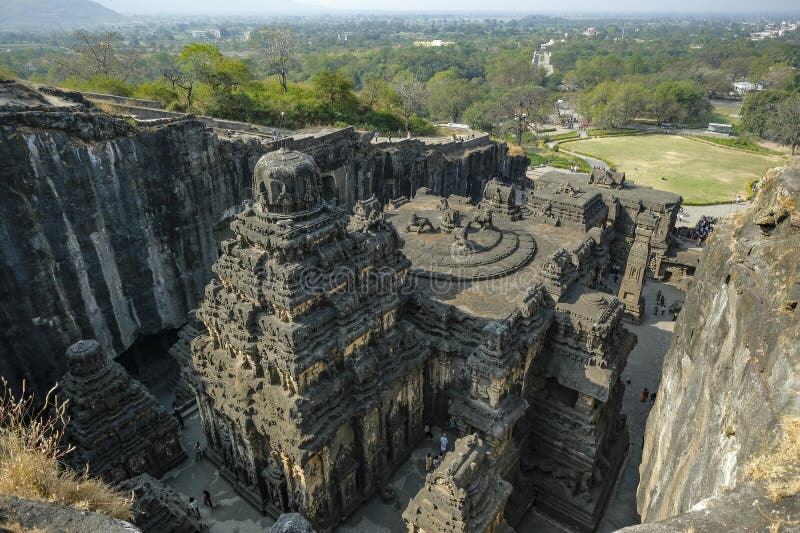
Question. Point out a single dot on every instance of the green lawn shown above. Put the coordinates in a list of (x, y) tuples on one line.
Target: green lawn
[(728, 115), (700, 172)]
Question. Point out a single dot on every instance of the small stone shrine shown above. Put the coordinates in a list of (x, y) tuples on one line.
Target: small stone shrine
[(117, 427), (158, 508), (463, 495)]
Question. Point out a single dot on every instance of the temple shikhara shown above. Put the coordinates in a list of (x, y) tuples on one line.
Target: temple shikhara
[(332, 337)]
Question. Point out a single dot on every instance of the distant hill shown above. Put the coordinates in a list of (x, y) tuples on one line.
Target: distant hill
[(38, 14)]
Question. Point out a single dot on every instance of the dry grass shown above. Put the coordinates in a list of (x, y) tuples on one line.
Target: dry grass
[(779, 467), (515, 150), (31, 451)]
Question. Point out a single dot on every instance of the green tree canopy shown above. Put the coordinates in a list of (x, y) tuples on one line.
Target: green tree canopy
[(449, 95)]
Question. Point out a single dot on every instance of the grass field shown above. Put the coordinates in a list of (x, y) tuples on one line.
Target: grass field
[(700, 172)]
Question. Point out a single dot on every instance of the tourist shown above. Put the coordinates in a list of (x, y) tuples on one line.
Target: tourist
[(390, 136), (662, 299), (207, 499), (428, 463), (428, 432), (194, 508), (198, 451), (443, 443), (645, 395), (376, 137), (408, 134), (177, 414), (652, 398), (658, 296)]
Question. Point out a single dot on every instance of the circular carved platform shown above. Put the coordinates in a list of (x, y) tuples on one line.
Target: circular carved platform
[(472, 254)]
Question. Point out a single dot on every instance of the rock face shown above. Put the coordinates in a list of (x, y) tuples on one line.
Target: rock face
[(732, 371), (745, 508), (47, 517), (116, 426), (109, 226)]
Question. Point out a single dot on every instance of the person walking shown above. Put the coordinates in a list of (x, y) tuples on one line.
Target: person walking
[(652, 398), (428, 432), (198, 451), (194, 508), (207, 499), (428, 463), (645, 395), (443, 443)]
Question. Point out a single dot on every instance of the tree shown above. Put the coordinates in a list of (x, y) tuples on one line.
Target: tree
[(276, 46), (99, 54), (612, 105), (758, 111), (449, 95), (513, 68), (411, 93), (787, 122), (336, 91), (203, 63), (677, 101), (524, 108)]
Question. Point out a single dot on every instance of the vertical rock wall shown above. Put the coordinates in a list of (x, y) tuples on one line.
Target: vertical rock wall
[(733, 368), (108, 228)]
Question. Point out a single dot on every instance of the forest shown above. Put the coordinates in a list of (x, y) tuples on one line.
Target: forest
[(386, 74)]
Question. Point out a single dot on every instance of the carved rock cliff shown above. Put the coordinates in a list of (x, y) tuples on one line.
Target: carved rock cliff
[(732, 372), (109, 226)]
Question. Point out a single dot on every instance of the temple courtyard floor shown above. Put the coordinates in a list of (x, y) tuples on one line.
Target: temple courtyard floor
[(233, 514)]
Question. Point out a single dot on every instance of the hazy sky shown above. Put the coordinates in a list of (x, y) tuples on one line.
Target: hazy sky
[(267, 7)]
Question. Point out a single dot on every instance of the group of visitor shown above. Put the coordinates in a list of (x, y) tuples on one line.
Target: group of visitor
[(704, 226)]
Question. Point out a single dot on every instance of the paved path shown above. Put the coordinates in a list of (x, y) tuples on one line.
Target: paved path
[(643, 370), (231, 514)]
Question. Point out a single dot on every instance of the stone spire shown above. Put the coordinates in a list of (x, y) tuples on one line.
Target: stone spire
[(307, 382), (117, 427), (463, 495)]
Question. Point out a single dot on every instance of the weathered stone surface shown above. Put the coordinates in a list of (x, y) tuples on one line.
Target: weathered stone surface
[(316, 377), (53, 518), (464, 494), (305, 321), (291, 523), (732, 370), (157, 508), (117, 427), (744, 508), (109, 227)]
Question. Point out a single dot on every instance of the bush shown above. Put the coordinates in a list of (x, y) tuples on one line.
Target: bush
[(613, 131), (565, 136), (740, 143), (160, 92), (421, 126)]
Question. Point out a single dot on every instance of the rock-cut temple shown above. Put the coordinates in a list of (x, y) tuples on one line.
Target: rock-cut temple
[(332, 338)]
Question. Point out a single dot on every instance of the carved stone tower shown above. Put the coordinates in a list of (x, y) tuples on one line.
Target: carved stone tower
[(116, 426), (309, 387)]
